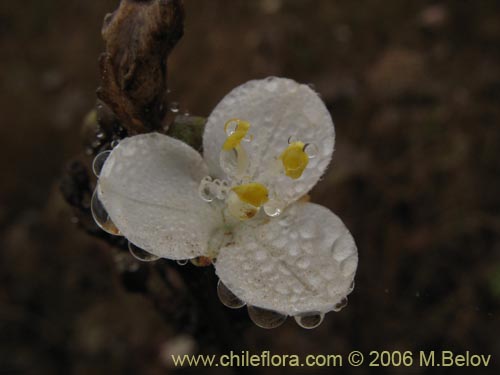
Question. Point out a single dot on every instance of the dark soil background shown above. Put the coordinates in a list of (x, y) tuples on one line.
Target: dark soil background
[(413, 88)]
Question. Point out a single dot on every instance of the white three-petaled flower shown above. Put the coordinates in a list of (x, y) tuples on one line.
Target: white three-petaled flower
[(266, 144)]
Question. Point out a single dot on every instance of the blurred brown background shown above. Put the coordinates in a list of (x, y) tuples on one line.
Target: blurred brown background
[(413, 88)]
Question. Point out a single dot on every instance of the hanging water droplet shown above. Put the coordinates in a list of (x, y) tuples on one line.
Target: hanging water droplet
[(292, 139), (101, 217), (310, 320), (230, 127), (273, 207), (340, 305), (174, 107), (265, 318), (182, 262), (351, 287), (99, 161), (311, 150), (227, 297), (205, 189), (141, 254)]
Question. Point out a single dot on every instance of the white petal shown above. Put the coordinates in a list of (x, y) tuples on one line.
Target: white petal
[(277, 109), (303, 262), (149, 187)]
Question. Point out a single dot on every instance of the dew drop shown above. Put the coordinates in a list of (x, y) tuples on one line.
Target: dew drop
[(311, 150), (351, 287), (292, 139), (227, 297), (140, 254), (340, 305), (265, 318), (174, 107), (248, 137), (273, 208), (101, 217), (205, 190), (221, 189), (310, 320), (230, 127), (182, 262), (99, 161)]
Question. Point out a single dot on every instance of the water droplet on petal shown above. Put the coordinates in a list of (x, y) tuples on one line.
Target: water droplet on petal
[(205, 189), (340, 305), (310, 320), (292, 139), (140, 254), (99, 161), (273, 207), (101, 217), (174, 107), (265, 318), (230, 127), (182, 262), (227, 297), (311, 150)]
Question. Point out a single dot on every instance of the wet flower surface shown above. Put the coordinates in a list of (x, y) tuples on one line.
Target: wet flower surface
[(266, 145)]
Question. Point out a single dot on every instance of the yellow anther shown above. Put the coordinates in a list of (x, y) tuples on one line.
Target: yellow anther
[(253, 193), (235, 138), (294, 159)]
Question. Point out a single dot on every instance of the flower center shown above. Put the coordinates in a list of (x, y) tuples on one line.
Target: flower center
[(243, 195)]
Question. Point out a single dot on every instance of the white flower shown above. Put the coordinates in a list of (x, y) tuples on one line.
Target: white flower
[(266, 145)]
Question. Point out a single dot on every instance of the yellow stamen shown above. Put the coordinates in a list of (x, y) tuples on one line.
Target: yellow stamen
[(234, 139), (294, 159), (253, 193)]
